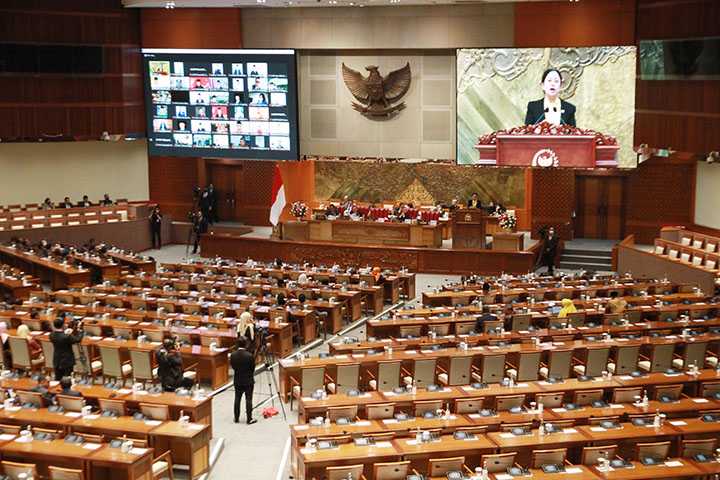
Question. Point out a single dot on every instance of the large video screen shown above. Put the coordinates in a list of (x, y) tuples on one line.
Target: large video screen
[(590, 88), (221, 103)]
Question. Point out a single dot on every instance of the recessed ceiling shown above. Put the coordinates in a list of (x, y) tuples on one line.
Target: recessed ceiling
[(305, 3)]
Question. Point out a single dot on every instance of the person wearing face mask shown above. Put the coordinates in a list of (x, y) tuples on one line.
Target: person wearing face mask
[(551, 108), (548, 251)]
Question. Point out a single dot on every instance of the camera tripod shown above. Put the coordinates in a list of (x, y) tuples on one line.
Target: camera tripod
[(269, 360)]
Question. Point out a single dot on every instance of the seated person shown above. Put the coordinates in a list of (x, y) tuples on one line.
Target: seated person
[(23, 331), (85, 202), (615, 304), (47, 204), (568, 307), (66, 388), (377, 276), (170, 370), (43, 387), (66, 203), (106, 200), (485, 317), (474, 201)]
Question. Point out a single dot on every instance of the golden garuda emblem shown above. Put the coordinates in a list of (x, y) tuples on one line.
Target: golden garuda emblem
[(375, 92)]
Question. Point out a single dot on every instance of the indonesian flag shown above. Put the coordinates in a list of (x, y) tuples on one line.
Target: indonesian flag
[(278, 197)]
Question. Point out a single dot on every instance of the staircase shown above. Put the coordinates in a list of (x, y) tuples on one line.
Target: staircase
[(587, 254)]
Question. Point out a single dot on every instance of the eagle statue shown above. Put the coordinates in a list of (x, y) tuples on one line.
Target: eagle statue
[(376, 92)]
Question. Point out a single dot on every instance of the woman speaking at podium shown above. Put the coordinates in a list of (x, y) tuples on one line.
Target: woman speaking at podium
[(551, 108)]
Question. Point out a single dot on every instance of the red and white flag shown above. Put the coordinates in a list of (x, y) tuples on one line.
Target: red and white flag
[(278, 197)]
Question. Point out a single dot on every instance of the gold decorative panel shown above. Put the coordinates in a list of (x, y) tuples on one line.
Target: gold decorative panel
[(421, 183)]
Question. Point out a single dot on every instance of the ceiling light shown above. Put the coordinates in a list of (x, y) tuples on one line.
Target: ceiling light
[(170, 4)]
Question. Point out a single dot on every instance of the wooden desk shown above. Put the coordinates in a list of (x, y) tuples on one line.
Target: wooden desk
[(312, 463), (109, 462), (575, 472), (58, 275), (135, 262), (189, 444), (107, 270), (508, 241), (362, 232), (447, 446), (673, 468)]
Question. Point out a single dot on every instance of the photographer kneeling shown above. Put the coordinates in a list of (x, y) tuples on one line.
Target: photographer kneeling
[(170, 369)]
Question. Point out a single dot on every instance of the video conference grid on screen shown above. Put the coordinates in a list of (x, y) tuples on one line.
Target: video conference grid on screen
[(223, 103)]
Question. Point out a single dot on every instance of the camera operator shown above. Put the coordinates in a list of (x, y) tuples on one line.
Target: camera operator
[(63, 340), (170, 370), (243, 364), (200, 226)]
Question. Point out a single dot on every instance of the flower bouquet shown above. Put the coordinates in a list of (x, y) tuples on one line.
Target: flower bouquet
[(298, 210)]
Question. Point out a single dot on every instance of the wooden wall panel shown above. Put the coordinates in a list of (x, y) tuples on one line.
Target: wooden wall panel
[(553, 200), (191, 28), (678, 18), (659, 193), (78, 105), (586, 23), (171, 181)]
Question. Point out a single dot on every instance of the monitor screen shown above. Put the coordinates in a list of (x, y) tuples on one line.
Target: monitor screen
[(221, 103), (591, 88)]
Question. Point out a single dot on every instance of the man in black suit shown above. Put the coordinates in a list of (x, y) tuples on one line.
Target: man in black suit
[(63, 355), (551, 108), (474, 201), (199, 227), (66, 388), (549, 250), (243, 364), (485, 317), (156, 226)]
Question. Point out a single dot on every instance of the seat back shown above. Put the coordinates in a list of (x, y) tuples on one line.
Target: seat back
[(521, 321), (655, 450), (380, 411), (662, 356), (492, 326), (344, 472), (20, 351), (506, 402), (586, 397), (410, 330), (560, 361), (690, 448), (391, 470), (549, 400), (141, 361), (424, 406), (709, 389), (123, 332), (313, 379), (463, 328), (468, 405), (15, 469), (591, 455), (626, 359), (112, 365), (95, 330), (34, 398), (528, 366), (60, 473), (70, 403), (459, 373), (348, 411), (493, 368), (554, 456), (626, 394), (388, 375), (154, 335), (111, 405), (155, 411), (498, 462), (576, 319), (438, 467), (48, 350), (83, 362), (596, 361), (347, 377), (671, 391), (424, 373), (695, 354)]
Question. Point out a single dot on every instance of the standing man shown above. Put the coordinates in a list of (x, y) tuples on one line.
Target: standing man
[(63, 356), (474, 201), (199, 227), (212, 194), (155, 226), (549, 251), (243, 364)]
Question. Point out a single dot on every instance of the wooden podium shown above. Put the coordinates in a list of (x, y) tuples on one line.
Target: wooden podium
[(544, 145), (468, 230)]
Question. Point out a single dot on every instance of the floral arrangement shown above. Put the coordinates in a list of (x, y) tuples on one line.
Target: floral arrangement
[(298, 209), (507, 221)]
